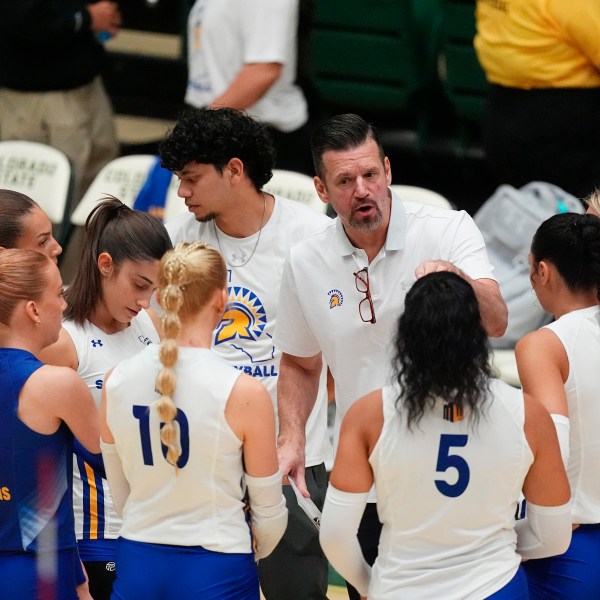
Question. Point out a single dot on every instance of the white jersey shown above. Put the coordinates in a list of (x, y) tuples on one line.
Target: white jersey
[(97, 353), (226, 35), (318, 306), (579, 333), (447, 495), (201, 502), (245, 335)]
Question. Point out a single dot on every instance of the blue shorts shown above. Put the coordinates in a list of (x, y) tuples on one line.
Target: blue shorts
[(29, 575), (164, 572), (572, 575), (97, 550), (515, 589)]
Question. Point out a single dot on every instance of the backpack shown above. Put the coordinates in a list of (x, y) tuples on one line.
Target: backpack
[(508, 220)]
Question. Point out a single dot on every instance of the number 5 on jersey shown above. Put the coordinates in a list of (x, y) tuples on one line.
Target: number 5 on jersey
[(446, 460)]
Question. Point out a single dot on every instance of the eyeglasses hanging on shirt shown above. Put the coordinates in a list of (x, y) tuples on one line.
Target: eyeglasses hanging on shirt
[(365, 306)]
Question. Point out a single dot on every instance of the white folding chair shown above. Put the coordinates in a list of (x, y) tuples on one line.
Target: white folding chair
[(174, 205), (295, 186), (412, 193), (44, 174), (122, 178)]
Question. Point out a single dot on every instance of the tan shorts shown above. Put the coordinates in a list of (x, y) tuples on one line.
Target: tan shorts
[(79, 122)]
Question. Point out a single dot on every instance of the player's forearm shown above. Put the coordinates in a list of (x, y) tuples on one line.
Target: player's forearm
[(119, 486), (545, 532), (342, 514)]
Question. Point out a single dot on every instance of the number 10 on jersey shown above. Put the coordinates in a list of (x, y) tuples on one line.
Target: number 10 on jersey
[(142, 414)]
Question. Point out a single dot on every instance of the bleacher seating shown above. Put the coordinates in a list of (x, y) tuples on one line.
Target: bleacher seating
[(122, 178), (44, 174), (460, 73), (408, 66)]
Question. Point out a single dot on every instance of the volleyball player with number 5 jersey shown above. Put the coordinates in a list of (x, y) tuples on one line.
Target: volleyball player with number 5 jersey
[(449, 450)]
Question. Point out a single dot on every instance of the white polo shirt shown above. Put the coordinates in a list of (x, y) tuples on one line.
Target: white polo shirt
[(318, 302)]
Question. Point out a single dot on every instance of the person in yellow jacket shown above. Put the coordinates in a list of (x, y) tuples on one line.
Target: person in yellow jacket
[(542, 59)]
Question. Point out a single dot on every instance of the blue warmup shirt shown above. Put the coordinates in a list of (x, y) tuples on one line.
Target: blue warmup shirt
[(36, 470)]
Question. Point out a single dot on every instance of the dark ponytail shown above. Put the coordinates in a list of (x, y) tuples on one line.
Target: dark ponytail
[(571, 242), (124, 234)]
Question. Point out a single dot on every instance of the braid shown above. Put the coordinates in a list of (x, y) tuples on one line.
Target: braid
[(171, 298), (175, 276)]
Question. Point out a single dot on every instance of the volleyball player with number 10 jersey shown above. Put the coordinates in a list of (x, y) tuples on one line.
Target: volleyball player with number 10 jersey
[(186, 437)]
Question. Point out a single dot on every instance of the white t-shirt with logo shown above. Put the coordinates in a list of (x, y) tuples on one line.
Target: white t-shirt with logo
[(245, 335)]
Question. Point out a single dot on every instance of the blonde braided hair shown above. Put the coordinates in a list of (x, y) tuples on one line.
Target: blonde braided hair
[(189, 274)]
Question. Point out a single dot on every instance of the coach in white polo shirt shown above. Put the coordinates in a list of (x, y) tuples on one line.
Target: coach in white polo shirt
[(343, 289)]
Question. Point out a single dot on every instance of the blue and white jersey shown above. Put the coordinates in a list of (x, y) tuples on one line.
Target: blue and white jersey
[(447, 492), (579, 333), (201, 502), (97, 353)]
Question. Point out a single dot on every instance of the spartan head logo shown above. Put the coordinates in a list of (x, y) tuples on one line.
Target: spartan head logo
[(335, 298), (244, 318)]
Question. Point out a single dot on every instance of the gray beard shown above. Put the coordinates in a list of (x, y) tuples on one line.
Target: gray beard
[(366, 224)]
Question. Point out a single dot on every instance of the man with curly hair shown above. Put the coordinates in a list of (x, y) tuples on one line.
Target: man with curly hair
[(223, 158)]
